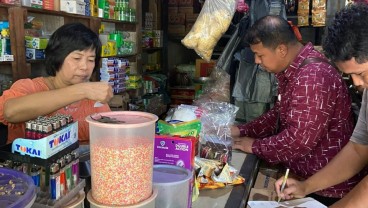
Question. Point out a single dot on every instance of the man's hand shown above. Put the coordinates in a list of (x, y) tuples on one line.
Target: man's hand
[(244, 144), (293, 188)]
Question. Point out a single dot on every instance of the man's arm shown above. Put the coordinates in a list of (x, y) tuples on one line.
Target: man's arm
[(356, 198), (348, 162)]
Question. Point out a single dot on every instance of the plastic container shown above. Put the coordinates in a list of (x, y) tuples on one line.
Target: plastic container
[(174, 186), (148, 203), (121, 151), (23, 184), (77, 202)]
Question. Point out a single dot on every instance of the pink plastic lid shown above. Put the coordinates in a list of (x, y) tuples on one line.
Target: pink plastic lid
[(122, 119)]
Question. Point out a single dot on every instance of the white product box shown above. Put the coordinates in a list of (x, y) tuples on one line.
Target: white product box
[(72, 6)]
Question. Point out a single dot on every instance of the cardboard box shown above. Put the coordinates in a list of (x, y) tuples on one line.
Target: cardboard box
[(182, 93), (266, 179), (174, 150), (176, 29), (33, 54), (262, 195), (72, 6), (37, 4), (191, 18), (176, 19), (185, 3), (204, 68), (36, 42), (176, 102), (185, 10), (188, 26), (173, 2), (173, 10)]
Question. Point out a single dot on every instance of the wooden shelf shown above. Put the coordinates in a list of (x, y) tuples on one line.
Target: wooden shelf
[(120, 56), (5, 62), (153, 49), (17, 15)]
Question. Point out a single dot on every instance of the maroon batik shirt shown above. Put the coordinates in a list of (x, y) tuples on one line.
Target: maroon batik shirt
[(315, 120)]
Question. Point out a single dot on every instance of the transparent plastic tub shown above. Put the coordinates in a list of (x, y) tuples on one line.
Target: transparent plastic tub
[(17, 189), (121, 148)]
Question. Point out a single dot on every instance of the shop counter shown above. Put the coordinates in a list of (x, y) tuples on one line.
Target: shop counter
[(232, 196)]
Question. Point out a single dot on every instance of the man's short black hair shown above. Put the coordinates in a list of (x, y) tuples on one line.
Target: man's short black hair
[(271, 31), (69, 38), (347, 36)]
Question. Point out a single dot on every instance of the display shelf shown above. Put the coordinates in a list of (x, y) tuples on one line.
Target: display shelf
[(120, 56), (152, 49), (17, 16)]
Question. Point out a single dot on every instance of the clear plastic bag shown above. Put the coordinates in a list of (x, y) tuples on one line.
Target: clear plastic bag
[(215, 139), (216, 90), (212, 22)]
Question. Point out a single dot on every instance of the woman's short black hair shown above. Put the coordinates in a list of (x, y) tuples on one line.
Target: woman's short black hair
[(271, 31), (69, 38), (347, 36)]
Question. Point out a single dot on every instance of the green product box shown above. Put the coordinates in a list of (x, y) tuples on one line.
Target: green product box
[(36, 42)]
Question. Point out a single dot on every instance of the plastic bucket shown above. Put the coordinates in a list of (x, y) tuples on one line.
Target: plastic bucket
[(22, 182), (148, 203), (121, 150), (174, 186)]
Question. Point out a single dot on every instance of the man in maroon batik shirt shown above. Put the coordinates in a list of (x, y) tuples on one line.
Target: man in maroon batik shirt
[(312, 118)]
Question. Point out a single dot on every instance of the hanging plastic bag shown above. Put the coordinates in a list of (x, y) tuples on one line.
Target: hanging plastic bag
[(212, 22)]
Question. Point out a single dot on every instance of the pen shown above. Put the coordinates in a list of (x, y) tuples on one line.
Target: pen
[(284, 182)]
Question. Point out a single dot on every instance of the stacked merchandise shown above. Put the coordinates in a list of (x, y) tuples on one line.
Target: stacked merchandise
[(113, 71), (195, 137), (318, 13), (5, 53), (50, 156), (35, 47)]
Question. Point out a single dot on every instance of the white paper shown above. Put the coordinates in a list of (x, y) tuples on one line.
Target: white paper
[(304, 202), (98, 104)]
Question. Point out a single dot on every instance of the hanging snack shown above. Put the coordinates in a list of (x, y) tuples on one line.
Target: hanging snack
[(303, 13), (319, 13), (318, 18), (211, 24), (303, 19), (319, 4)]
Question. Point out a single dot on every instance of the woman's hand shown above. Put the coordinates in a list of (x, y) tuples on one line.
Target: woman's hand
[(98, 91)]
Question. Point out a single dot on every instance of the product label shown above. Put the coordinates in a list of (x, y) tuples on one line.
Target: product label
[(174, 151)]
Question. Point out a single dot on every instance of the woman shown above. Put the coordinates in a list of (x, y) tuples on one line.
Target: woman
[(72, 55)]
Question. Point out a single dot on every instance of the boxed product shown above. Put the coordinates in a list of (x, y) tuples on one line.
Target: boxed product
[(266, 179), (36, 42), (177, 19), (262, 195), (185, 10), (204, 68), (72, 6), (175, 150), (37, 4), (32, 53), (182, 93), (185, 3)]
